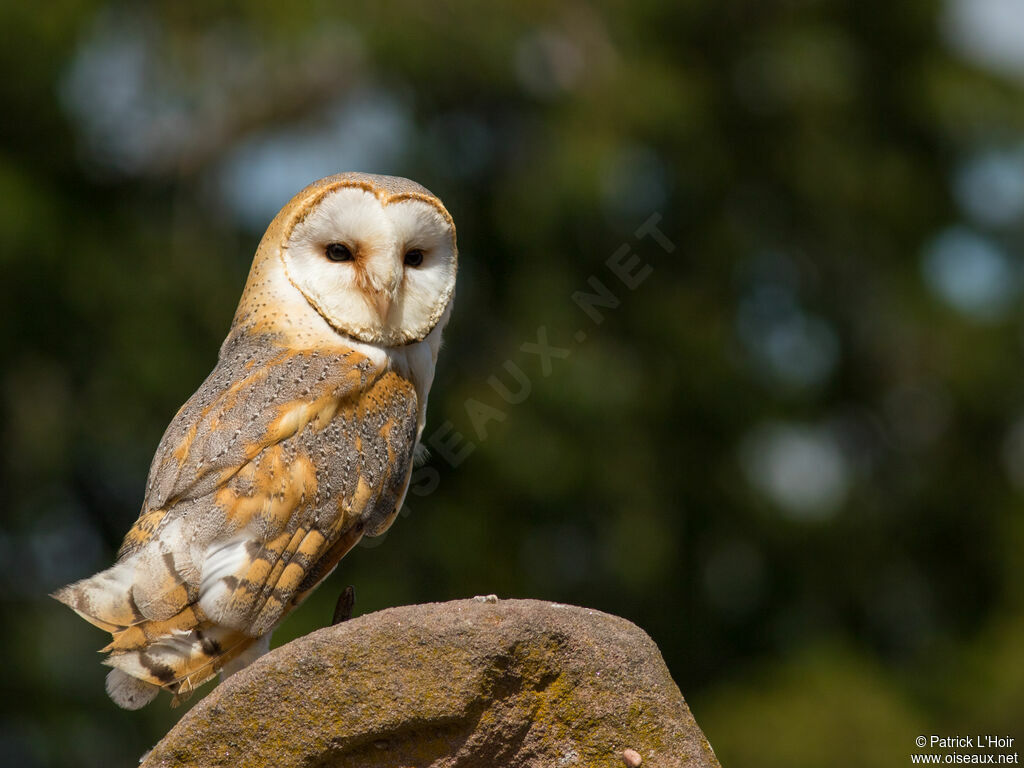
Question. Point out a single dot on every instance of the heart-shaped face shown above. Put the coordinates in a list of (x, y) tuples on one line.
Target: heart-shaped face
[(378, 265)]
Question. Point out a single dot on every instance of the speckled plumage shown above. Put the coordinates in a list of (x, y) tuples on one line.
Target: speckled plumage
[(299, 442)]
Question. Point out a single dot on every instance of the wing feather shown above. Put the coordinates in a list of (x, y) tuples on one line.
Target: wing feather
[(225, 424), (266, 477)]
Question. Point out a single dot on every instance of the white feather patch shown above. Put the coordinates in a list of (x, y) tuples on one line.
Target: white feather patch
[(118, 578), (129, 692), (222, 559)]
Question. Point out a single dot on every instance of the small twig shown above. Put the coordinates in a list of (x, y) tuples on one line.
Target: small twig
[(343, 609)]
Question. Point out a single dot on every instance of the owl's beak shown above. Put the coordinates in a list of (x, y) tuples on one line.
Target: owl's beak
[(382, 303)]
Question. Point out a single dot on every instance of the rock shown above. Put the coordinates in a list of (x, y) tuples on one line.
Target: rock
[(459, 684)]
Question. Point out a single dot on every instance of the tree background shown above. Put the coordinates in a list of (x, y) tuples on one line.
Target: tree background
[(794, 454)]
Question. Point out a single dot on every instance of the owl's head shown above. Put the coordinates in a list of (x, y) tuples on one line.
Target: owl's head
[(375, 256)]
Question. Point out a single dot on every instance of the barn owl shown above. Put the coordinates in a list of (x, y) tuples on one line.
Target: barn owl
[(300, 441)]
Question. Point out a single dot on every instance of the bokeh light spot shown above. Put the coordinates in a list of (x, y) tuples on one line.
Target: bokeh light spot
[(800, 468), (989, 187), (971, 274)]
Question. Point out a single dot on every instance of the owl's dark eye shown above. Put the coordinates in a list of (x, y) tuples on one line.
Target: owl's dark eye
[(338, 252), (414, 257)]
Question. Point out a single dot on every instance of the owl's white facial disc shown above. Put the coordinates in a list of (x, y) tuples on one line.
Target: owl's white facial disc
[(381, 273)]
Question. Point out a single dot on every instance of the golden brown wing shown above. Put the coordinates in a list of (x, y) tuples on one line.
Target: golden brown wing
[(263, 481)]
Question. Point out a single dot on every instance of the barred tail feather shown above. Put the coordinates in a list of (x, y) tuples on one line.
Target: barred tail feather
[(182, 660), (176, 653), (104, 600)]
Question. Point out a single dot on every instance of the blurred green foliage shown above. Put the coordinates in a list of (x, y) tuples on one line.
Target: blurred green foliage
[(794, 454)]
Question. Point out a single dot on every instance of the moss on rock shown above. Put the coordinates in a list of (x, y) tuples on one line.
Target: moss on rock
[(465, 683)]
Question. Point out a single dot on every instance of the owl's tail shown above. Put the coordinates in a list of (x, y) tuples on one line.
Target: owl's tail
[(105, 599), (160, 637), (179, 661)]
